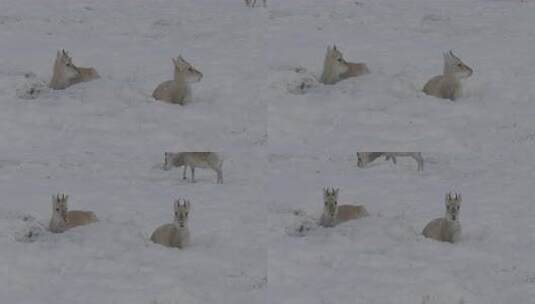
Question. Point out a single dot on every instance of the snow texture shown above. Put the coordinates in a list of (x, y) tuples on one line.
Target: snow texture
[(284, 136)]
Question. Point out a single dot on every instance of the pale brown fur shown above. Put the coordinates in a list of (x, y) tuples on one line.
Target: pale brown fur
[(336, 68), (448, 85), (448, 228), (66, 73), (334, 214), (178, 90), (176, 234), (195, 160), (62, 219)]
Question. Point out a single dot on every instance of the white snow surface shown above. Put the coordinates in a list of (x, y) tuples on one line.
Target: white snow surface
[(102, 142)]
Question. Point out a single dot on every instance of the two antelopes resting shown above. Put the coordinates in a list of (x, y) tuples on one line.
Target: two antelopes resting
[(169, 235), (447, 86), (177, 91), (444, 229)]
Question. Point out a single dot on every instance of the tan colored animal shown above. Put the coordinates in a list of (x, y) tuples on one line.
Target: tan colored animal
[(333, 214), (178, 90), (448, 228), (335, 68), (195, 160), (62, 219), (175, 234), (364, 158), (66, 73), (448, 85)]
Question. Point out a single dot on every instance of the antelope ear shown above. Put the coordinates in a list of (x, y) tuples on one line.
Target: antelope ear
[(186, 204), (334, 47), (177, 203)]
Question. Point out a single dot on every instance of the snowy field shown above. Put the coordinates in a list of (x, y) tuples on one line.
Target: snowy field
[(102, 142)]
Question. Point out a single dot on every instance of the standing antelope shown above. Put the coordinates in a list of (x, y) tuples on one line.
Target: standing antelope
[(62, 219), (335, 68), (448, 85), (447, 228), (178, 90), (195, 160), (66, 73), (175, 234), (364, 158), (333, 214)]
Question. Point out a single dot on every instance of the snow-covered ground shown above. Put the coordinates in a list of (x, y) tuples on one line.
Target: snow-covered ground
[(102, 142)]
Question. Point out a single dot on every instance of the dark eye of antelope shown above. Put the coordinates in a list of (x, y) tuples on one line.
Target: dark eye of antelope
[(57, 209), (340, 60)]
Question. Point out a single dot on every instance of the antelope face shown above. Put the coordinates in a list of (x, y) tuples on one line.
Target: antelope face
[(337, 60), (191, 74), (454, 66), (59, 205), (64, 63), (330, 200), (453, 206), (182, 212)]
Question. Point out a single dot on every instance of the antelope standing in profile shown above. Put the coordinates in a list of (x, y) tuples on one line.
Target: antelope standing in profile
[(195, 160), (66, 73), (364, 158)]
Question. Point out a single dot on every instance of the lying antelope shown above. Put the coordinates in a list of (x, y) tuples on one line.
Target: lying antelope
[(447, 228), (448, 85), (178, 90), (195, 160), (62, 219), (364, 158), (176, 234), (335, 68), (333, 214), (66, 73)]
